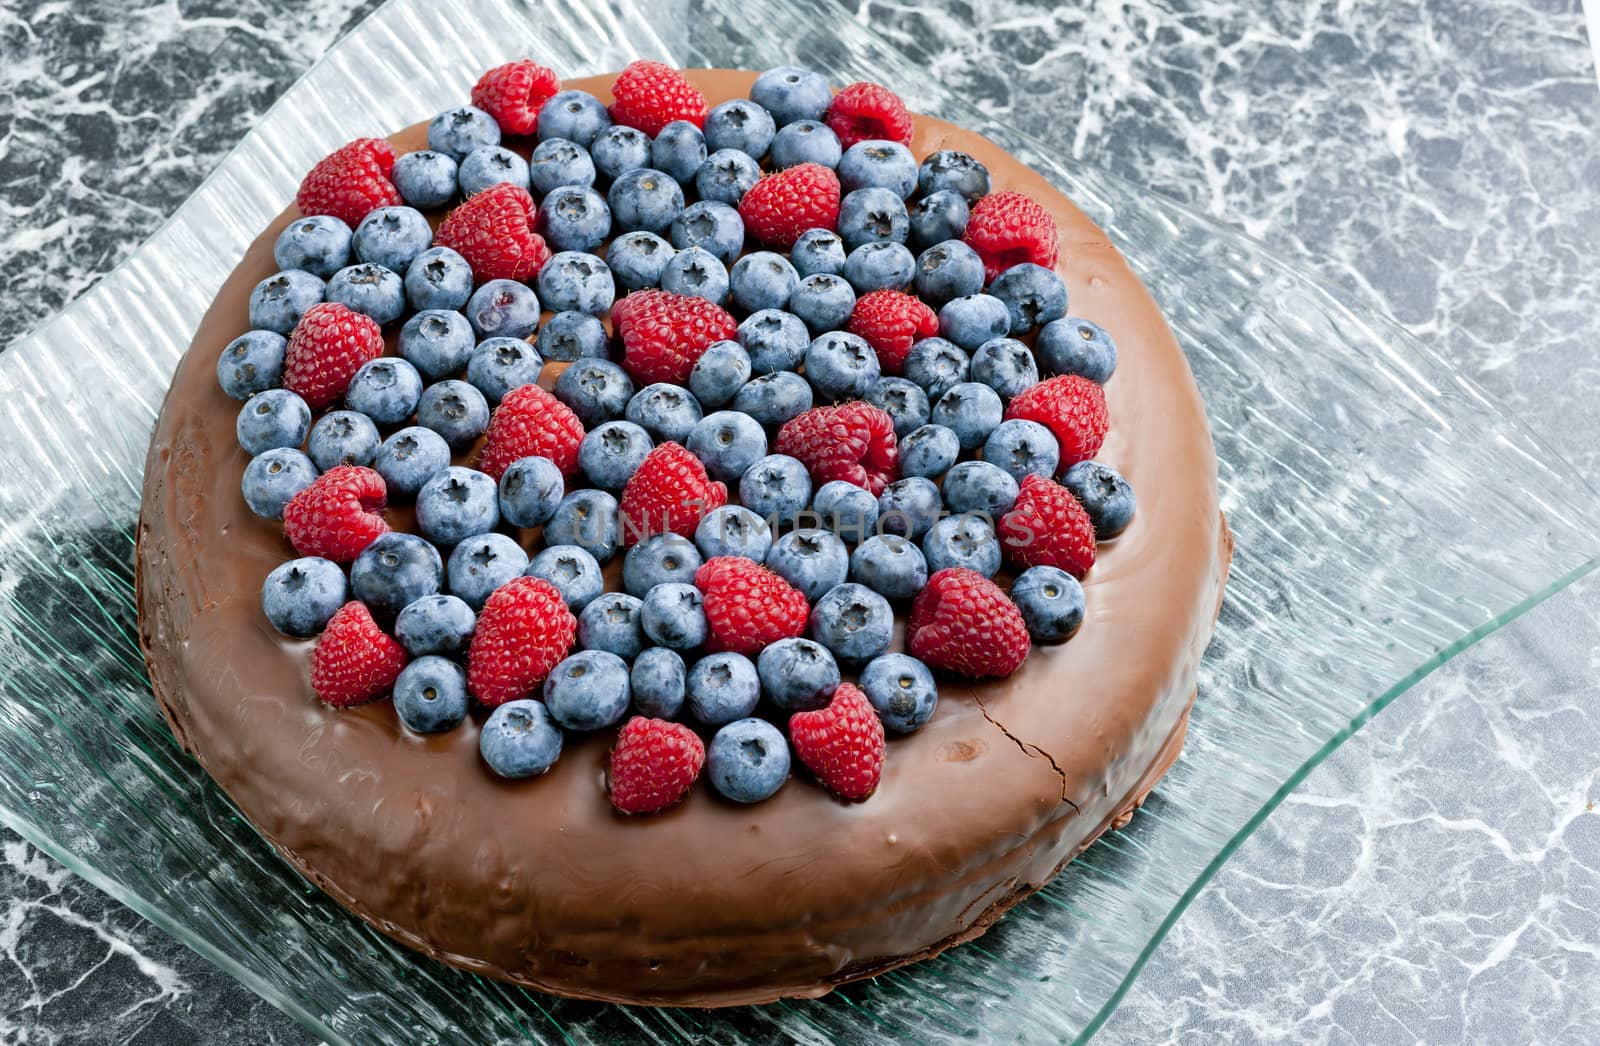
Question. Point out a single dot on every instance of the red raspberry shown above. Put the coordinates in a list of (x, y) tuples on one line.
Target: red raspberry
[(1072, 407), (523, 631), (338, 515), (653, 764), (852, 441), (662, 333), (1008, 228), (1048, 527), (513, 93), (326, 348), (494, 231), (531, 423), (841, 744), (782, 205), (669, 492), (649, 95), (749, 606), (350, 182), (866, 110), (892, 321), (354, 660), (962, 622)]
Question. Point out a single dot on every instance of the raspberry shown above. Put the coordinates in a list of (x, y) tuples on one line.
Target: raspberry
[(350, 182), (649, 95), (748, 606), (1008, 228), (338, 515), (523, 631), (529, 423), (514, 92), (852, 441), (866, 110), (1048, 527), (354, 660), (1072, 407), (782, 205), (962, 622), (494, 231), (841, 744), (663, 334), (653, 765), (892, 321), (326, 348), (669, 492)]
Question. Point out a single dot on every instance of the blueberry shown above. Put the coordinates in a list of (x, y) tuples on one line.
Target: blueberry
[(806, 141), (1106, 496), (318, 244), (890, 565), (937, 366), (1072, 345), (577, 116), (776, 488), (637, 259), (597, 390), (949, 169), (277, 302), (371, 290), (617, 150), (498, 365), (908, 507), (588, 690), (747, 760), (901, 690), (763, 280), (396, 569), (569, 336), (776, 340), (558, 162), (1051, 601), (611, 622), (456, 132), (679, 150), (455, 410), (876, 163), (572, 281), (573, 571), (504, 309), (722, 688), (438, 278), (725, 176), (928, 450), (1032, 294), (812, 560), (481, 564), (823, 302), (674, 616), (251, 363), (430, 695), (658, 680), (941, 218), (456, 504), (530, 488), (973, 319), (773, 399), (1006, 366), (853, 622), (1022, 447), (846, 509), (797, 674), (698, 273), (425, 178), (733, 530), (727, 443), (841, 366), (385, 389), (409, 458), (946, 271), (971, 410), (435, 625), (967, 540), (978, 486), (666, 412), (392, 237), (719, 373), (588, 519), (611, 453), (658, 560), (792, 93), (879, 266), (342, 437), (902, 400), (300, 596), (645, 199), (740, 125), (575, 218), (818, 250), (436, 342), (271, 419), (873, 215), (519, 739), (491, 165)]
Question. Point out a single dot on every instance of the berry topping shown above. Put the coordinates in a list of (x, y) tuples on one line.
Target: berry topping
[(350, 182), (649, 95), (1048, 527), (962, 622), (494, 232), (355, 660), (513, 94), (841, 744), (668, 493), (328, 346), (653, 765), (1008, 228), (748, 606), (663, 334), (865, 111), (781, 206), (523, 631), (1071, 407), (853, 442), (891, 322), (530, 422), (338, 516)]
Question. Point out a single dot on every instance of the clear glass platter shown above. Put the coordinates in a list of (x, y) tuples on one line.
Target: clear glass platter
[(1387, 516)]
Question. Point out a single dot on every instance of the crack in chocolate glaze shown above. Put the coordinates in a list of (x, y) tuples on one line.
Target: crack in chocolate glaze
[(1028, 749)]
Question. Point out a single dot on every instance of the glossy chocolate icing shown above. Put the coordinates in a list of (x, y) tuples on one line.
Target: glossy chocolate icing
[(711, 903)]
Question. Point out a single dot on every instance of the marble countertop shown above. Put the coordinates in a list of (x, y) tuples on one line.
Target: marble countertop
[(1438, 878)]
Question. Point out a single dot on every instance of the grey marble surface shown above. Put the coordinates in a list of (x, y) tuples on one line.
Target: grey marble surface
[(1438, 879)]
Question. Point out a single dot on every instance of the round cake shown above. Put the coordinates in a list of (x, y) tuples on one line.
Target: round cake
[(543, 880)]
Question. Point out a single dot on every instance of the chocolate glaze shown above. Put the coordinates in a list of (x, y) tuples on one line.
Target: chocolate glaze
[(711, 903)]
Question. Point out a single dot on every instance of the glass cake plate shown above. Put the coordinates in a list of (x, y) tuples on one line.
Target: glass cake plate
[(1387, 513)]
